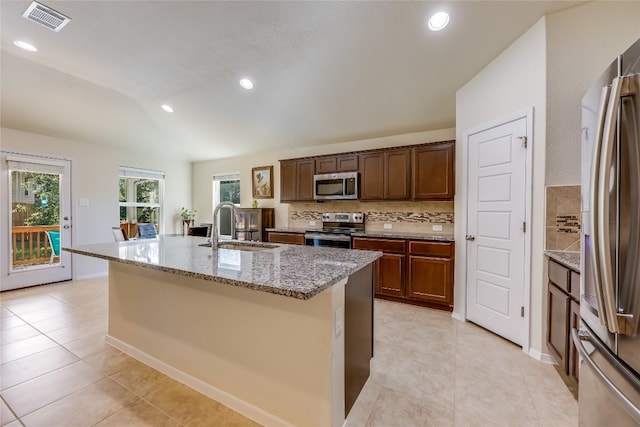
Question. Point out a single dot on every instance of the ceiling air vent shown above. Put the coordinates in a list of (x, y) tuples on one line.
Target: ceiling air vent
[(45, 16)]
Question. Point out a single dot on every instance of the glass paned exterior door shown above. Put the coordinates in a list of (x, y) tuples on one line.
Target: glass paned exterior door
[(38, 221)]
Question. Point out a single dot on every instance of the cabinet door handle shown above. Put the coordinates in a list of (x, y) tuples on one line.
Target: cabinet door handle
[(470, 237)]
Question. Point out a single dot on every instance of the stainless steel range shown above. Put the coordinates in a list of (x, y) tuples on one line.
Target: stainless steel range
[(336, 230)]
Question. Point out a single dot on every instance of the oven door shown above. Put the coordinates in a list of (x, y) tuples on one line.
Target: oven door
[(332, 240)]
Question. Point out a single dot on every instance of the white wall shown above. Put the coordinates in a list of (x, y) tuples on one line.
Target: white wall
[(94, 176), (514, 82), (549, 68), (203, 171), (581, 43)]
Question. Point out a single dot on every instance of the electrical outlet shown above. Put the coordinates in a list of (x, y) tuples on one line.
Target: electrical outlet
[(437, 227), (388, 226), (312, 223)]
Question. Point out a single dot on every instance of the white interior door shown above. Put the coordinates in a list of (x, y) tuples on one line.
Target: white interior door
[(36, 212), (495, 229)]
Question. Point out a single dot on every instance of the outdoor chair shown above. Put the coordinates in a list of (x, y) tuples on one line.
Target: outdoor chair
[(54, 244)]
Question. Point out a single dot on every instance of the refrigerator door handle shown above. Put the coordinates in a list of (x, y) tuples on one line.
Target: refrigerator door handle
[(629, 304), (628, 405), (603, 243), (593, 200)]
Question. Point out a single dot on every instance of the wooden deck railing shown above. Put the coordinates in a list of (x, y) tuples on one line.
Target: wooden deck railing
[(30, 244)]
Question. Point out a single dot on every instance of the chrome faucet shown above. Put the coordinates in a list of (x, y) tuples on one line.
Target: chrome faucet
[(214, 227)]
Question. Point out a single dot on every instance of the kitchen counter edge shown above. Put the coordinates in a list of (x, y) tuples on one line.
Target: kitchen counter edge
[(379, 234), (569, 259), (289, 288)]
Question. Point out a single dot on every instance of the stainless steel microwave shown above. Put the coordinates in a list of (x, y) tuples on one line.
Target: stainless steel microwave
[(336, 186)]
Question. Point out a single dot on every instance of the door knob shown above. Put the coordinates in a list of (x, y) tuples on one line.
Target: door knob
[(65, 226), (470, 237)]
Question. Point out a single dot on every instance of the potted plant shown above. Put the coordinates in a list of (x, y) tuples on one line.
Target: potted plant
[(187, 216)]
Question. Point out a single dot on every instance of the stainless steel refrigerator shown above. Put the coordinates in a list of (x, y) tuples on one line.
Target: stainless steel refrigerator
[(608, 341)]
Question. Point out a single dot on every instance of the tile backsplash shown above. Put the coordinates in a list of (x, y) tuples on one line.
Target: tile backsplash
[(418, 217), (563, 219)]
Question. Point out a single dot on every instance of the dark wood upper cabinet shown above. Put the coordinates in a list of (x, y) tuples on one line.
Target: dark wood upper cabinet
[(326, 165), (288, 180), (433, 172), (306, 169), (397, 174), (416, 172), (296, 180), (340, 163), (385, 175), (372, 176), (347, 163)]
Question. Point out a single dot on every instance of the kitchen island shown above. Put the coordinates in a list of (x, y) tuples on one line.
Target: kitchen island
[(282, 334)]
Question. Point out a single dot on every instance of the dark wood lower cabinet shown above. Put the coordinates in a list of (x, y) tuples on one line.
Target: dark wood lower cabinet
[(557, 333), (430, 279), (390, 275), (288, 238), (416, 272), (563, 317)]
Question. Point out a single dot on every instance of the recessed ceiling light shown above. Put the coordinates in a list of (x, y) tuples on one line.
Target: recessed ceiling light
[(25, 46), (246, 84), (167, 108), (438, 21)]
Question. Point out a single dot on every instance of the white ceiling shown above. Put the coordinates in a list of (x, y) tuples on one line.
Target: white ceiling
[(323, 71)]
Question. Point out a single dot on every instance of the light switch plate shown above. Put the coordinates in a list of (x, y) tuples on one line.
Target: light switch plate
[(437, 227), (83, 202), (388, 226)]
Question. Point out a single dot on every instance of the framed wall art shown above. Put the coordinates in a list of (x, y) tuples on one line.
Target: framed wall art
[(262, 182)]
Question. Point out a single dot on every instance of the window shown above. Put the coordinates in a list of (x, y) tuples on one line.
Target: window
[(226, 188), (140, 197)]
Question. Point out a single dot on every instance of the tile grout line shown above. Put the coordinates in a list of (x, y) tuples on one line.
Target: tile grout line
[(11, 409)]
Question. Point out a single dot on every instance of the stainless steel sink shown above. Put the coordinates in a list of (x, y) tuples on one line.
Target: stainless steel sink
[(243, 246)]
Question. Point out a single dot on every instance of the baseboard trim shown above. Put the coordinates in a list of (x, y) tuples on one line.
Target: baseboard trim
[(542, 357), (245, 408), (458, 316), (92, 276)]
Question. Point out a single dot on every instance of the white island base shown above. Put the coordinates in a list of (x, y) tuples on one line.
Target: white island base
[(275, 359)]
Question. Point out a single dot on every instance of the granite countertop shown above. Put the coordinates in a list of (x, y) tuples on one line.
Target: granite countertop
[(291, 270), (567, 258), (444, 237)]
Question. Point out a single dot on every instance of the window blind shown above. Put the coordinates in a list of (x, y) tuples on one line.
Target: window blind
[(20, 166), (231, 176), (129, 172)]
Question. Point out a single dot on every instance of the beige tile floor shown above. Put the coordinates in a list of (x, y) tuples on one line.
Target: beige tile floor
[(429, 370)]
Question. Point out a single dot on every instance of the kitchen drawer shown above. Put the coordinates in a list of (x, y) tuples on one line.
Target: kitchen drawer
[(431, 249), (559, 275), (384, 245), (575, 286), (289, 238)]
